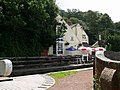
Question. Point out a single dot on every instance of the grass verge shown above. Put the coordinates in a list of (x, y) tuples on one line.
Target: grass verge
[(62, 74)]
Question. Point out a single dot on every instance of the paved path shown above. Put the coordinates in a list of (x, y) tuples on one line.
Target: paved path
[(80, 81), (29, 82)]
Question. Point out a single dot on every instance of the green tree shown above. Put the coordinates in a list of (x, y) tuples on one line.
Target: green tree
[(93, 22), (105, 22), (112, 39), (117, 25), (74, 20), (27, 27)]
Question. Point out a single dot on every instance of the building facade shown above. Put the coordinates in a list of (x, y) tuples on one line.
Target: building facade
[(74, 37)]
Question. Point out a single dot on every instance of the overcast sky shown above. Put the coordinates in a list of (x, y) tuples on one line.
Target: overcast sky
[(111, 7)]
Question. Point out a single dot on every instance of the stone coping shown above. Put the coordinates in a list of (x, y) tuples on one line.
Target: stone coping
[(107, 62)]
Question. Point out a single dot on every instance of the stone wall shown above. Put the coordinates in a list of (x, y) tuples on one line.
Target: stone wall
[(107, 72)]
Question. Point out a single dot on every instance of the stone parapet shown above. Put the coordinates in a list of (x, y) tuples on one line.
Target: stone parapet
[(107, 72)]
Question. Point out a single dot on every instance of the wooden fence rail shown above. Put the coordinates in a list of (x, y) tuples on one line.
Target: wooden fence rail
[(33, 65)]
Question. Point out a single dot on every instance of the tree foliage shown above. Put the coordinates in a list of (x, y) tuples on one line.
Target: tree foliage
[(92, 21), (117, 26), (27, 27), (112, 40), (95, 23)]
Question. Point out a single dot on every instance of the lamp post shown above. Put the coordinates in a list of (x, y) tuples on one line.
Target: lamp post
[(100, 41)]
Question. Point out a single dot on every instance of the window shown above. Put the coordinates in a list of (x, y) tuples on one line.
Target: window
[(83, 37), (60, 45), (60, 52), (71, 39), (60, 48), (59, 39)]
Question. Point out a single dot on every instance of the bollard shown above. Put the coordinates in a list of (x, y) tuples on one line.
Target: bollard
[(5, 67)]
